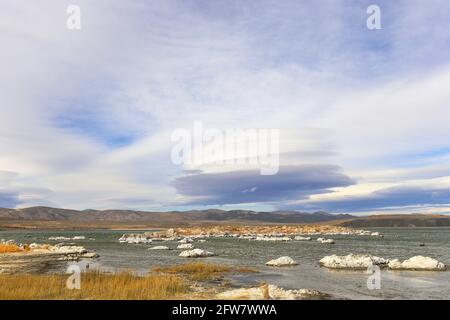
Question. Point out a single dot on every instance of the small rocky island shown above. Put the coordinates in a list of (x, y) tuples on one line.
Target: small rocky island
[(39, 258), (360, 262)]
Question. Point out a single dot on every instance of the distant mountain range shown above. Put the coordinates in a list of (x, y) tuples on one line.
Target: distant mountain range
[(45, 217), (176, 217)]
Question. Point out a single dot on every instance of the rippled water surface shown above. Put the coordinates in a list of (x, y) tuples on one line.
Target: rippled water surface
[(399, 243)]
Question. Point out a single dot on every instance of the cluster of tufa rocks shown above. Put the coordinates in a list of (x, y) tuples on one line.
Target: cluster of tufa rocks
[(196, 253), (256, 233), (252, 232), (38, 258), (355, 262), (149, 237), (60, 238), (417, 263)]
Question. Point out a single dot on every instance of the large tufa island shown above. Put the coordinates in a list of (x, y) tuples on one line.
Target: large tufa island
[(38, 258), (257, 233)]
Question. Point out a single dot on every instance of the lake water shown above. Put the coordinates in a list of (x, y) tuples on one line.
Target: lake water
[(401, 243)]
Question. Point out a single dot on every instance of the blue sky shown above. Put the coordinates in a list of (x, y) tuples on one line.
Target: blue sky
[(87, 115)]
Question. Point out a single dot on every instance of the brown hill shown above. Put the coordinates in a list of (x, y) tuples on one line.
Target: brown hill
[(399, 220), (166, 218), (46, 217)]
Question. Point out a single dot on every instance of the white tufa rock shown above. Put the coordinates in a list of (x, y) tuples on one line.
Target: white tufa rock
[(196, 253), (323, 240), (300, 238), (159, 248), (68, 249), (282, 261), (352, 261), (59, 238), (135, 238), (186, 240), (259, 238), (171, 233), (375, 234), (417, 263), (185, 246), (269, 292), (66, 238)]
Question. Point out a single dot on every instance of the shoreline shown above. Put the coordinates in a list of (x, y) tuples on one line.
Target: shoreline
[(49, 226), (187, 281)]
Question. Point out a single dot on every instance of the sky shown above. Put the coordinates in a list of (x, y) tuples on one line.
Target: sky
[(87, 116)]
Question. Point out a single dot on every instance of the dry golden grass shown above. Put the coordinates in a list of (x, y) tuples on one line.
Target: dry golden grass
[(200, 271), (11, 248), (94, 286)]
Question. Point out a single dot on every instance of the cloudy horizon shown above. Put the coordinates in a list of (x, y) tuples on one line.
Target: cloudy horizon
[(363, 115)]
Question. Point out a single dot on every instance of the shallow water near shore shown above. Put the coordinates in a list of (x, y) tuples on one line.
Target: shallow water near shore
[(401, 243)]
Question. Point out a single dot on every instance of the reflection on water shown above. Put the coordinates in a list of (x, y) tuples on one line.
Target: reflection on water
[(401, 243)]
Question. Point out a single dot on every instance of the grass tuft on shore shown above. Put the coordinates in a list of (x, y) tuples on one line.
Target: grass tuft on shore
[(200, 271), (94, 286)]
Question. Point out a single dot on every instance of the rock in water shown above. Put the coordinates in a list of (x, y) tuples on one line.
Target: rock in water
[(323, 240), (186, 240), (196, 253), (282, 261), (159, 248), (352, 261), (300, 238), (375, 234), (134, 238), (264, 238), (417, 263), (59, 238), (90, 255), (185, 246)]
